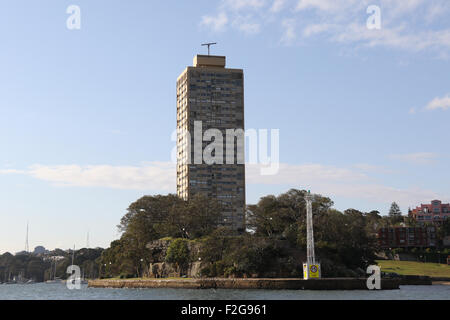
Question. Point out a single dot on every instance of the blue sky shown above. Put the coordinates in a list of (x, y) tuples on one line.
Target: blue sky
[(86, 116)]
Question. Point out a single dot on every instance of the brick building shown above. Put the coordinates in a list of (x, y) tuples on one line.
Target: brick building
[(407, 237)]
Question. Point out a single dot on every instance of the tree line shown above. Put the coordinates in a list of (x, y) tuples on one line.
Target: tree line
[(273, 242)]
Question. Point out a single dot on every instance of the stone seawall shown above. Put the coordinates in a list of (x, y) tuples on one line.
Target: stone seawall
[(268, 284), (410, 280)]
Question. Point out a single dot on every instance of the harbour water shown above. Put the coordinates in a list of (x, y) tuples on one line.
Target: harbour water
[(59, 291)]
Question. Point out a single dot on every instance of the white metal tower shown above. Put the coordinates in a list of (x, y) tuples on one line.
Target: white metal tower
[(311, 259), (311, 269)]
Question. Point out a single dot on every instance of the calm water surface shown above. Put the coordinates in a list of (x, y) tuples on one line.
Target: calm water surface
[(56, 291)]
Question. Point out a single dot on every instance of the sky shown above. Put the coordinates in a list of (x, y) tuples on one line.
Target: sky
[(87, 115)]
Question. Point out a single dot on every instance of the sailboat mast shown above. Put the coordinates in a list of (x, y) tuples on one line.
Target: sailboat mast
[(27, 247)]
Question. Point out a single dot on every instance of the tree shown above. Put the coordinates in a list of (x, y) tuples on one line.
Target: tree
[(345, 241), (395, 210), (373, 222), (443, 230), (283, 216), (178, 253), (253, 255), (395, 214), (170, 216)]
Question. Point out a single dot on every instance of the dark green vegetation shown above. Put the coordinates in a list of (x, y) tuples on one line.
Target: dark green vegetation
[(25, 266), (155, 217), (436, 255), (274, 245), (395, 213), (186, 235), (40, 268)]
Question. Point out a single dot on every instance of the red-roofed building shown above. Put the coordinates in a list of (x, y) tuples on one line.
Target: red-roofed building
[(435, 212)]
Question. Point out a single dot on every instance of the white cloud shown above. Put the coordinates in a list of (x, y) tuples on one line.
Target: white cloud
[(436, 10), (406, 24), (324, 5), (11, 171), (277, 5), (395, 37), (415, 158), (439, 103), (244, 4), (383, 194), (372, 168), (314, 29), (292, 174), (245, 25), (250, 28), (334, 181), (161, 176), (216, 23), (153, 176), (401, 7), (289, 33)]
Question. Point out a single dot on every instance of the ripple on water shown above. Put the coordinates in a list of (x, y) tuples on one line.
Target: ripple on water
[(57, 291)]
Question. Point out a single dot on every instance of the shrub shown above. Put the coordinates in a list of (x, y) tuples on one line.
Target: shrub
[(178, 253)]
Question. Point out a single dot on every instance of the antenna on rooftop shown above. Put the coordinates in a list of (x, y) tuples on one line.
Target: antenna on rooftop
[(209, 44)]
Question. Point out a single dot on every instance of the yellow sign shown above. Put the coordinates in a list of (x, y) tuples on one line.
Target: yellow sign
[(314, 271), (311, 271)]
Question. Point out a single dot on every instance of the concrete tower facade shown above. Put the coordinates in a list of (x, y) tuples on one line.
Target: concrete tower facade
[(211, 97)]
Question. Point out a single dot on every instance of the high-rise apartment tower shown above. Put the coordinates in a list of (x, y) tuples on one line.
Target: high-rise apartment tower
[(210, 96)]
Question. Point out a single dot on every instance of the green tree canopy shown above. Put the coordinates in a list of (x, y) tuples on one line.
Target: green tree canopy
[(178, 253)]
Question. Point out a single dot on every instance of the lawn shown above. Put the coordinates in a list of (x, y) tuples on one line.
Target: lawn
[(415, 268)]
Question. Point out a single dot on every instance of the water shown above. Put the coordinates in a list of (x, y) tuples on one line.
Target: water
[(57, 291)]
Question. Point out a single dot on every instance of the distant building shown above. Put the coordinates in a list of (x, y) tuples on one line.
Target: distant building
[(21, 253), (436, 212), (40, 250), (54, 258), (407, 237)]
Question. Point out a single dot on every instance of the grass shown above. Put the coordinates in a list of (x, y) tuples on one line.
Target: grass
[(415, 268)]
